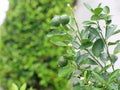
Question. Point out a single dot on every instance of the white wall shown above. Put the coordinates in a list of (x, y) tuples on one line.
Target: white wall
[(3, 9), (83, 14)]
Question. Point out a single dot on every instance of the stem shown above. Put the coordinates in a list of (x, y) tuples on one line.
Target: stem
[(75, 21), (94, 58), (80, 39), (106, 46), (75, 30), (86, 49), (77, 26)]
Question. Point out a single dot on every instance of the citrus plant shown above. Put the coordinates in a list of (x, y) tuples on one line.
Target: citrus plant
[(26, 56), (87, 59)]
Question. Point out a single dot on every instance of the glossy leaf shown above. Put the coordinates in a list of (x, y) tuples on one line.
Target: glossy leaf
[(98, 77), (83, 59), (105, 68), (113, 43), (106, 9), (95, 17), (114, 75), (92, 36), (116, 32), (58, 43), (117, 49), (99, 5), (85, 44), (114, 58), (97, 11), (55, 33), (93, 31), (98, 47), (104, 57), (92, 62), (113, 86), (63, 72), (88, 6), (103, 16), (84, 34), (110, 31)]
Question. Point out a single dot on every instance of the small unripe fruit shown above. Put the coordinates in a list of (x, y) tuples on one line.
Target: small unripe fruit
[(55, 21), (64, 19), (62, 62)]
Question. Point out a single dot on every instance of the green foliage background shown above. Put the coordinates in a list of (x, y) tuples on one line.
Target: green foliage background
[(26, 54)]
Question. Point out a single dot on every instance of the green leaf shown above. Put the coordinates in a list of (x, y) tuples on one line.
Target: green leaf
[(84, 34), (114, 43), (98, 17), (78, 87), (105, 68), (103, 16), (63, 72), (82, 59), (14, 87), (93, 31), (58, 43), (88, 6), (82, 62), (98, 47), (55, 33), (98, 77), (117, 49), (97, 11), (92, 62), (23, 87), (110, 31), (113, 86), (114, 75), (99, 5), (95, 17), (92, 36), (106, 9), (85, 43), (114, 58), (116, 32), (104, 57)]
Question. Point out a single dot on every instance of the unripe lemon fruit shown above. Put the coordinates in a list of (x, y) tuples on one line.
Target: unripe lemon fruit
[(64, 19), (55, 21)]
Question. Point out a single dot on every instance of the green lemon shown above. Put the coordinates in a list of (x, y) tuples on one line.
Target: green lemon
[(62, 62), (55, 21), (64, 19)]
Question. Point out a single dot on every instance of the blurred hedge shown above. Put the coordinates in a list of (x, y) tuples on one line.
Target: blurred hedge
[(26, 54)]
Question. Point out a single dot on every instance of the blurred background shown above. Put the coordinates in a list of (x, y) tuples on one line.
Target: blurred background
[(26, 55)]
